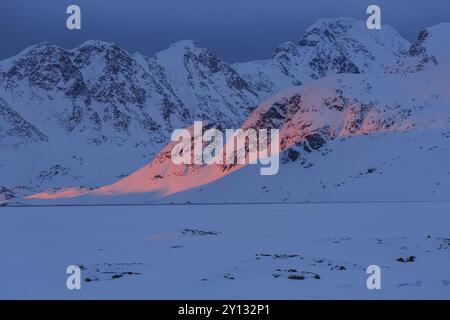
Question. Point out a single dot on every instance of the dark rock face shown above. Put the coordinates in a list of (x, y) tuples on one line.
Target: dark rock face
[(314, 141), (345, 65), (14, 130), (279, 113), (6, 194), (333, 48)]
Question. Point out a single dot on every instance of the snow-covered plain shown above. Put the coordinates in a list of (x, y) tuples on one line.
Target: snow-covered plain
[(227, 251)]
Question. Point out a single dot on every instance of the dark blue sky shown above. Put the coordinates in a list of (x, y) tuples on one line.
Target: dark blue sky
[(237, 30)]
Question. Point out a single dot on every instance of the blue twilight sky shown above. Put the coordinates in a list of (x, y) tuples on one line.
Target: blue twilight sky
[(237, 30)]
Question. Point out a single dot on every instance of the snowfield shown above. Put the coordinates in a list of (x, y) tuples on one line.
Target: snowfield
[(291, 251)]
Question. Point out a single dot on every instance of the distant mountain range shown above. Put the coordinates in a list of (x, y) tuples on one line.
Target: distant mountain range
[(82, 122)]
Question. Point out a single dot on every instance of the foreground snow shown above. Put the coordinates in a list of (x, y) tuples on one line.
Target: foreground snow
[(226, 251)]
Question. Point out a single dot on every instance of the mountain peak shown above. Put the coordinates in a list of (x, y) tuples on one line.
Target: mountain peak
[(341, 22), (38, 48), (328, 31), (335, 25), (286, 48)]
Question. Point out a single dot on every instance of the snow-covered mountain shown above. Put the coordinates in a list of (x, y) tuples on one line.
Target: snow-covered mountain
[(99, 106), (329, 46), (14, 130), (344, 138), (92, 115)]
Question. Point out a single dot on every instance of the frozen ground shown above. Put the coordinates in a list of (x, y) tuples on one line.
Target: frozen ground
[(226, 251)]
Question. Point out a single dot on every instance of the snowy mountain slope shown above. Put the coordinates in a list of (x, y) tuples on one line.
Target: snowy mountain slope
[(330, 46), (406, 120), (227, 251), (350, 138), (341, 110), (430, 50)]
